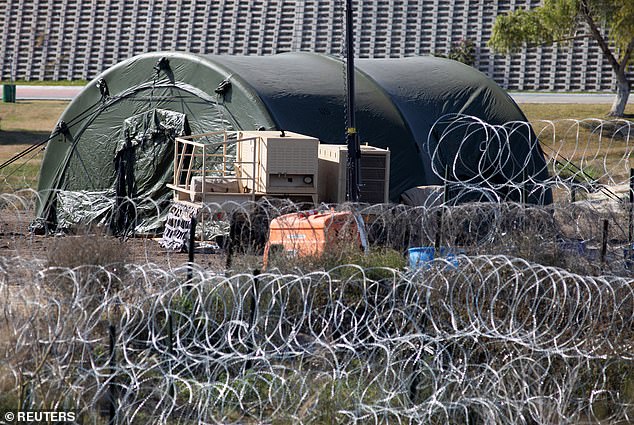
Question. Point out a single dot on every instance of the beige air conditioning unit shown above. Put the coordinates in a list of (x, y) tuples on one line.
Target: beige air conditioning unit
[(375, 174), (278, 163)]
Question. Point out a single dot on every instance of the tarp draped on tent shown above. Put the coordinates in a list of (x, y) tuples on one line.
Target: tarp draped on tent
[(398, 102), (143, 162)]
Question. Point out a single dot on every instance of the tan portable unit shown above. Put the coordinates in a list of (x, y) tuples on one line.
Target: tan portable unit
[(375, 174), (273, 162)]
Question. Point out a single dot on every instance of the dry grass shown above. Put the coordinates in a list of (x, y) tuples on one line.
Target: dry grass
[(87, 250), (23, 124), (29, 117), (556, 111), (581, 144), (20, 175)]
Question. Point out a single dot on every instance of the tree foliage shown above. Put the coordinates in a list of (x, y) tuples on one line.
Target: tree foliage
[(553, 21), (562, 21), (463, 51), (559, 20), (621, 17)]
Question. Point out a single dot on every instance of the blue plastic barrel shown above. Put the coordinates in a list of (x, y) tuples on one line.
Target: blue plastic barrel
[(451, 255), (420, 256)]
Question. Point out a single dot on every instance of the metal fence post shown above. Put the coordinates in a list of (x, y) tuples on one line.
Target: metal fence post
[(170, 351), (112, 397), (630, 233), (191, 247), (604, 241), (253, 306)]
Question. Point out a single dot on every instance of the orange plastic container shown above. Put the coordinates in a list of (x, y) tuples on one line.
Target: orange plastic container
[(310, 233)]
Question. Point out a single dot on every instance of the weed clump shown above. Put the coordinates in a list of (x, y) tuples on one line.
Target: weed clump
[(339, 254), (87, 250), (92, 262)]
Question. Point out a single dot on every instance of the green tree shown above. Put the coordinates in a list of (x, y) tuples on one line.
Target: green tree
[(557, 21), (463, 51)]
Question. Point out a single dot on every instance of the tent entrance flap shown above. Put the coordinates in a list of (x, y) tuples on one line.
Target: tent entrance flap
[(143, 163)]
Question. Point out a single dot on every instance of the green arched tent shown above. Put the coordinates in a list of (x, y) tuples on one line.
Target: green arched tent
[(398, 101)]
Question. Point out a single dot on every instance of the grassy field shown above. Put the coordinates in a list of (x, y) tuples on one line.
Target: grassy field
[(601, 152), (28, 117), (28, 122), (557, 111), (23, 124)]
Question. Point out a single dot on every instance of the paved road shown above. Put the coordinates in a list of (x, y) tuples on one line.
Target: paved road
[(69, 92), (47, 92)]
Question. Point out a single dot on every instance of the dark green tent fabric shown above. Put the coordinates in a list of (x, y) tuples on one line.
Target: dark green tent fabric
[(143, 162), (398, 100)]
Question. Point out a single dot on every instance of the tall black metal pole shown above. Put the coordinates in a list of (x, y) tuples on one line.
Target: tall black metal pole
[(352, 138)]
